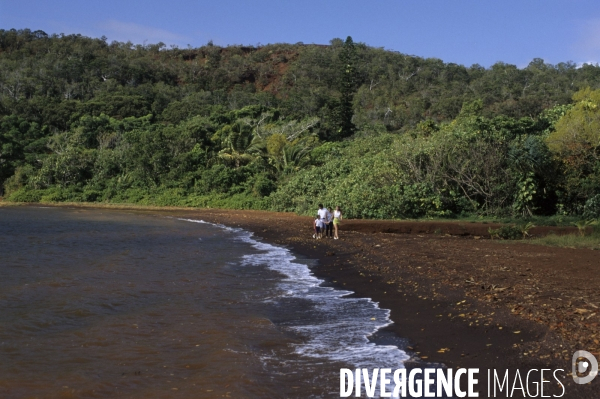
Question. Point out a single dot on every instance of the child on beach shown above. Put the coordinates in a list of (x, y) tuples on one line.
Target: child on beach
[(318, 225)]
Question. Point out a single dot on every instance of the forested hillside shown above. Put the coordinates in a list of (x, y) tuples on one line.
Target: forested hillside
[(285, 126)]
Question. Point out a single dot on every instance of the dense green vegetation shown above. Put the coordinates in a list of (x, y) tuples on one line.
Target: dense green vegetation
[(283, 127)]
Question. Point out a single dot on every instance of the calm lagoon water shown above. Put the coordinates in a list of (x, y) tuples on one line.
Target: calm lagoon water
[(102, 303)]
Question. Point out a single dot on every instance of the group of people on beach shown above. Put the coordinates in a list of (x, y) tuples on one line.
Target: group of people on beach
[(327, 221)]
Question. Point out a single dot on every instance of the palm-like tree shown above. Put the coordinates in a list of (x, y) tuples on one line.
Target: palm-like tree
[(294, 157), (236, 147)]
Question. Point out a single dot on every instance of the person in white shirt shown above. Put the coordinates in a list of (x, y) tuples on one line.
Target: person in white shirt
[(322, 212), (322, 215)]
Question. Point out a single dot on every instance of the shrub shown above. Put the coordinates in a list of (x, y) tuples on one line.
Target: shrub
[(18, 180), (591, 209), (582, 226), (24, 195), (510, 232)]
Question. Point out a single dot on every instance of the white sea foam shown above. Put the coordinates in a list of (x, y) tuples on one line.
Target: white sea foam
[(335, 327)]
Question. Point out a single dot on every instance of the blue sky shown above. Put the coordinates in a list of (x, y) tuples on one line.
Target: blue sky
[(460, 31)]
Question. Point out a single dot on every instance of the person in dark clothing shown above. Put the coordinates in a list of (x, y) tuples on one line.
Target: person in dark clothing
[(329, 223)]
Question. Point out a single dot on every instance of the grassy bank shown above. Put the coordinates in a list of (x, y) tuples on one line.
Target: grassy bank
[(591, 240)]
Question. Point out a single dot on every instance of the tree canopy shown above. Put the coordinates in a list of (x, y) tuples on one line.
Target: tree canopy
[(283, 126)]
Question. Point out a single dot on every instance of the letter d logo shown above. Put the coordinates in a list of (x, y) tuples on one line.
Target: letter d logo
[(584, 362)]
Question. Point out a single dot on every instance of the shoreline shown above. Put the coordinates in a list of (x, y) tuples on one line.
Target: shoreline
[(459, 300)]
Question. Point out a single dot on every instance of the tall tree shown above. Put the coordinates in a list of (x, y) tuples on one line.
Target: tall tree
[(348, 86)]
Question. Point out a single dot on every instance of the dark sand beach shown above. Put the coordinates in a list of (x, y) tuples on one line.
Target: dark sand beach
[(459, 298)]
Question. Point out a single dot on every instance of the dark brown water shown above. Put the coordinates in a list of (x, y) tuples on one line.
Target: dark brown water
[(99, 304)]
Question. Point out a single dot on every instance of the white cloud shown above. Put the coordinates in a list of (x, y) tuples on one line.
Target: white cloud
[(580, 64), (140, 34)]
